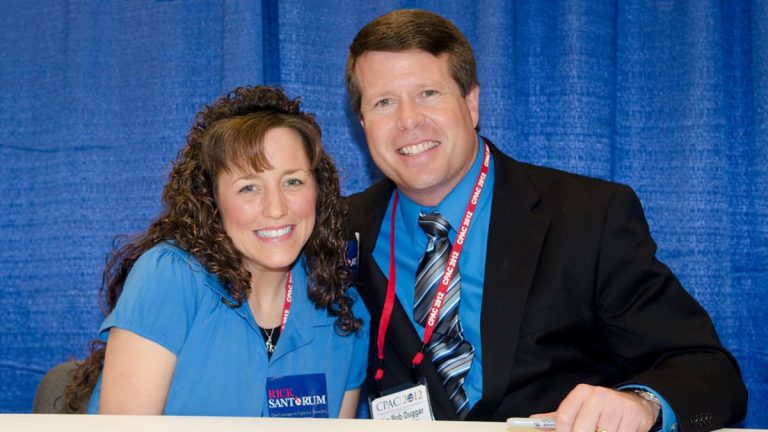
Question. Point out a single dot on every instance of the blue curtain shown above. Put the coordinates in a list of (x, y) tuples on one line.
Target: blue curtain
[(96, 97)]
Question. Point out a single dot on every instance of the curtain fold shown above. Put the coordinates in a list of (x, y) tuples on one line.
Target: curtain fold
[(669, 97)]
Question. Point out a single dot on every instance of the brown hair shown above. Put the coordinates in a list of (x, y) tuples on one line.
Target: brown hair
[(407, 29), (229, 133)]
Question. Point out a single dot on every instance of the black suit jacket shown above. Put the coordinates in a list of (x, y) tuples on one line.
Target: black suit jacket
[(573, 294)]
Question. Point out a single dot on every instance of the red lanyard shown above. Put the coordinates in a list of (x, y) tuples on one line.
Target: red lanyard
[(287, 302), (450, 268)]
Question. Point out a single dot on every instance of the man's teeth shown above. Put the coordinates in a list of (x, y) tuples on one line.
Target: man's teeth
[(272, 233), (417, 148)]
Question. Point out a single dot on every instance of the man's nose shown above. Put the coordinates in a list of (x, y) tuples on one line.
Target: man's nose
[(409, 115)]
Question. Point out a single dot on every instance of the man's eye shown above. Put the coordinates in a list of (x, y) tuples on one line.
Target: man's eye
[(430, 92), (384, 102)]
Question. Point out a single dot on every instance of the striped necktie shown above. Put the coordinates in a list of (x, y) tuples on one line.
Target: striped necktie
[(449, 351)]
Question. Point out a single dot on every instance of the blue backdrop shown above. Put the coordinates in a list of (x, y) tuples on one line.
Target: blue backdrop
[(670, 97)]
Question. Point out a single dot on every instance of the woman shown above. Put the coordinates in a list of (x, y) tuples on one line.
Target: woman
[(234, 301)]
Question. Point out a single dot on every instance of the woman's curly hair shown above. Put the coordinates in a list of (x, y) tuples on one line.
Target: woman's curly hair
[(230, 134)]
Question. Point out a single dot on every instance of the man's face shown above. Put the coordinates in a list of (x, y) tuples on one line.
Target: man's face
[(420, 130)]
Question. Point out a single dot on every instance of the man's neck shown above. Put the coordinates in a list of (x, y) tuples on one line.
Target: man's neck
[(427, 198)]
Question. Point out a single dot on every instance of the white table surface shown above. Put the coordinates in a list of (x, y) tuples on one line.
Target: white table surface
[(102, 423), (110, 423)]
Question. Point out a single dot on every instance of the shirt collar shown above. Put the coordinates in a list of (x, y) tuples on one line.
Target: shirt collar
[(299, 281)]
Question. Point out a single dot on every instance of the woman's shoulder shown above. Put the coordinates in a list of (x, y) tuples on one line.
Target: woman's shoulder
[(165, 265), (358, 307), (167, 257)]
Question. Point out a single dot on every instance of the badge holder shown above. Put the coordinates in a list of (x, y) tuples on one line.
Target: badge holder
[(409, 401)]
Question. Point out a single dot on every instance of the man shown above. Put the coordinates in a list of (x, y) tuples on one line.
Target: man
[(511, 289)]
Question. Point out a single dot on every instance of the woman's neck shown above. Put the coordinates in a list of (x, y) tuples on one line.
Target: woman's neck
[(267, 297)]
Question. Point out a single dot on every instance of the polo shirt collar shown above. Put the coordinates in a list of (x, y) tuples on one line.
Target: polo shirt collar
[(302, 314)]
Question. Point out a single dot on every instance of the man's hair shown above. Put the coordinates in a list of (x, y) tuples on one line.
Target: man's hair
[(408, 29)]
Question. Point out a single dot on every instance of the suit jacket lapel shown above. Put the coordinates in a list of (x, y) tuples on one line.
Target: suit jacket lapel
[(515, 238)]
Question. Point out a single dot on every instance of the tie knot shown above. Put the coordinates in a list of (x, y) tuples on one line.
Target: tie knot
[(434, 224)]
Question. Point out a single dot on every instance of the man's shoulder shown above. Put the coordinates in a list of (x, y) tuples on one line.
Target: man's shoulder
[(509, 167), (556, 187), (546, 177), (367, 206), (377, 192)]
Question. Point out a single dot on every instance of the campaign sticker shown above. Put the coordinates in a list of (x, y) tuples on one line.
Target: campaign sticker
[(297, 396), (353, 254)]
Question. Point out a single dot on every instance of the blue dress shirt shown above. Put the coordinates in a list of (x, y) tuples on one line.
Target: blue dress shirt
[(411, 241)]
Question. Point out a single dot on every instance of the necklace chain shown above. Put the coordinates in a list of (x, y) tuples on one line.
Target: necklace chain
[(286, 307)]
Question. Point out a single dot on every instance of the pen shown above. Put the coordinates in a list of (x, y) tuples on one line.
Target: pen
[(530, 423)]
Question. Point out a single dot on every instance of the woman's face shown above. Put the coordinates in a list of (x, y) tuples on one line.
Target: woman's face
[(269, 215)]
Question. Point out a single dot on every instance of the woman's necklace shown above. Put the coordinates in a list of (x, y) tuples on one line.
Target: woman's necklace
[(268, 342)]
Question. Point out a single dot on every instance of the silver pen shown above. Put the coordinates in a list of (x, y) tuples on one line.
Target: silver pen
[(530, 423)]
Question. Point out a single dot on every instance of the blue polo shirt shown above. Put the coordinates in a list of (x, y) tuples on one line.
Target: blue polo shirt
[(411, 241), (222, 365)]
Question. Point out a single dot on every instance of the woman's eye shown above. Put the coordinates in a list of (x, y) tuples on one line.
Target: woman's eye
[(248, 188), (294, 182)]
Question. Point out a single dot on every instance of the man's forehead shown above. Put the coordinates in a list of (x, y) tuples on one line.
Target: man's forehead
[(378, 59)]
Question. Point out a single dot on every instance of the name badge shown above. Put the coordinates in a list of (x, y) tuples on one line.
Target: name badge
[(409, 403), (297, 396)]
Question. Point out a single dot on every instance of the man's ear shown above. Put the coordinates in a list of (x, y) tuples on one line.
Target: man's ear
[(473, 104)]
